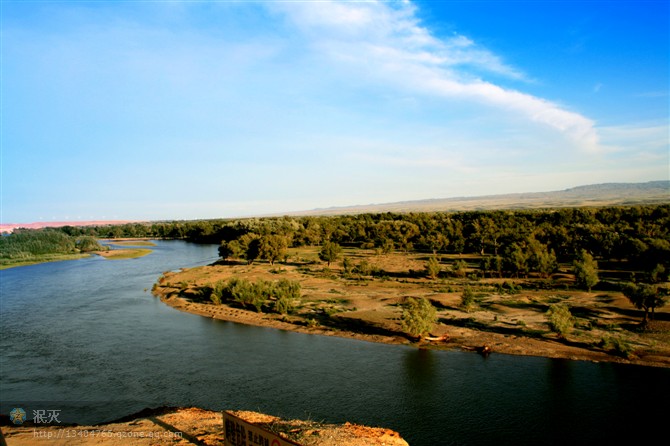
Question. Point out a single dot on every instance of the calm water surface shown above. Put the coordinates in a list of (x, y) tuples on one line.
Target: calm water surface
[(87, 338)]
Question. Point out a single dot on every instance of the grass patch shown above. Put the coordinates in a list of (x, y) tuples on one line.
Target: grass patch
[(121, 254)]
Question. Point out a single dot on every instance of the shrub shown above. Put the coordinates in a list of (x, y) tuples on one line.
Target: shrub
[(348, 265), (364, 268), (459, 268), (432, 268), (617, 345), (561, 320), (418, 317), (283, 305), (287, 288), (468, 299)]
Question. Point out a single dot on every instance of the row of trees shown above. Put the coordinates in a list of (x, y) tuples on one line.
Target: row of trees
[(530, 240)]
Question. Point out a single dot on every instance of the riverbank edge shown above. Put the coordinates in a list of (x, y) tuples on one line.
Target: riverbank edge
[(59, 258), (473, 343)]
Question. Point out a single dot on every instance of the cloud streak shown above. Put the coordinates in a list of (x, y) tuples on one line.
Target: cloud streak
[(386, 42)]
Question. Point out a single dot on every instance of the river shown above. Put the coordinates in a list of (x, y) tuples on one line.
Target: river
[(87, 338)]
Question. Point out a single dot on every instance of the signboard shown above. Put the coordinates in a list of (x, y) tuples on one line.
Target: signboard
[(237, 432)]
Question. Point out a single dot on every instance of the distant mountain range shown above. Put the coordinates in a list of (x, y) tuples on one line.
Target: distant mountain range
[(606, 194)]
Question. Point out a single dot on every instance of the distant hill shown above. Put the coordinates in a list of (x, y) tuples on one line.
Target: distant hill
[(606, 194)]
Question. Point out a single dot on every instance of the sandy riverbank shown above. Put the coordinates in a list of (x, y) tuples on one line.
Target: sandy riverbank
[(458, 338), (371, 311)]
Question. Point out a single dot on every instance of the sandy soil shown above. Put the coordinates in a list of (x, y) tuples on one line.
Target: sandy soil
[(188, 426), (370, 309)]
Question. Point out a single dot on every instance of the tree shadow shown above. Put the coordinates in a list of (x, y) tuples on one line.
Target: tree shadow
[(356, 325), (228, 262), (515, 330), (605, 298), (518, 331), (586, 313), (638, 314)]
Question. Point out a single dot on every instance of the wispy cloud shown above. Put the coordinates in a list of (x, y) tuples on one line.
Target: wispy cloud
[(386, 42)]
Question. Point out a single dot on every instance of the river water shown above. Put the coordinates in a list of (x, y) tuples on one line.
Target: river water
[(87, 338)]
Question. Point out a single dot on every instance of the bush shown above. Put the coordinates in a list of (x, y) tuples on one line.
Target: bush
[(432, 268), (348, 265), (561, 320), (365, 268), (617, 345), (459, 268), (287, 288), (468, 299), (284, 305)]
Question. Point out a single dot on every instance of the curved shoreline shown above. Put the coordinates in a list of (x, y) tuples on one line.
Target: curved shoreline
[(462, 339), (227, 313)]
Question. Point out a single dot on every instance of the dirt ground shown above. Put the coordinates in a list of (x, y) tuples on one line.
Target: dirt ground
[(193, 426), (370, 308)]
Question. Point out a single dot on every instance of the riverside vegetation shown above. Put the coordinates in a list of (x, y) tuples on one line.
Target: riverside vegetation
[(577, 282), (580, 283), (29, 246)]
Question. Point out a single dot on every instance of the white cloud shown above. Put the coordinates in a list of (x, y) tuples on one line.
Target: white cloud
[(386, 42)]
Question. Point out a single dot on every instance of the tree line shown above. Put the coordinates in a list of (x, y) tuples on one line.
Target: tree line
[(24, 244), (511, 242)]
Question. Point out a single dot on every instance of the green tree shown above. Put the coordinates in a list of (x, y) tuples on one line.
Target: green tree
[(231, 249), (273, 247), (418, 317), (586, 270), (561, 320), (250, 246), (436, 241), (491, 265), (515, 260), (540, 258), (645, 297), (330, 252)]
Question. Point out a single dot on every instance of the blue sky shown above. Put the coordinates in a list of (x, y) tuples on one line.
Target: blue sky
[(184, 110)]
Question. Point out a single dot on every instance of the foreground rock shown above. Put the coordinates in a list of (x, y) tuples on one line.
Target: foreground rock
[(189, 426)]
